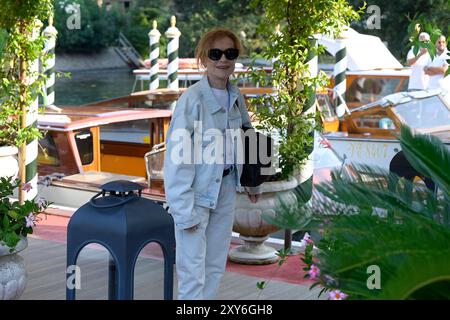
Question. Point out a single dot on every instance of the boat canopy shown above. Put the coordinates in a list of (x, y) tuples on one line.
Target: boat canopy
[(364, 52)]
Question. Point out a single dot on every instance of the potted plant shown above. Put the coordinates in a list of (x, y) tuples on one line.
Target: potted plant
[(290, 113), (16, 222)]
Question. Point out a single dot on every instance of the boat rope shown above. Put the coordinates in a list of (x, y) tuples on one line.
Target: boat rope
[(154, 36), (339, 70), (173, 34)]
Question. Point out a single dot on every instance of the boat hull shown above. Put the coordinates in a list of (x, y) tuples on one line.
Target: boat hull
[(366, 150)]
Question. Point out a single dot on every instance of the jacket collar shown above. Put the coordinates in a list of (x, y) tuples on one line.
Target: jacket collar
[(209, 97)]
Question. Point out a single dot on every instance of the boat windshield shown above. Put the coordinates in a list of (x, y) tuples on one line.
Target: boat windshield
[(363, 90), (428, 113)]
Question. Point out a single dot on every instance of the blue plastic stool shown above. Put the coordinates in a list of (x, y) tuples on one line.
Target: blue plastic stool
[(123, 222)]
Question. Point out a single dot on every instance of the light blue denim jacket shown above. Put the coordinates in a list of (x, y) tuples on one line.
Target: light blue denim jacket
[(187, 184)]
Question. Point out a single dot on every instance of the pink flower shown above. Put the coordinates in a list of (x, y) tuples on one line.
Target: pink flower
[(313, 272), (27, 187), (31, 220), (306, 240), (41, 203), (337, 295)]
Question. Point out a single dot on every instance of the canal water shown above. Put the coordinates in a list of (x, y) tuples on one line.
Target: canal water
[(84, 87)]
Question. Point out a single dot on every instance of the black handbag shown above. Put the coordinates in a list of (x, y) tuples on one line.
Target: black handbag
[(257, 158)]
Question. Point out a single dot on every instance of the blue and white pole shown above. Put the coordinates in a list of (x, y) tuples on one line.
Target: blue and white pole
[(50, 33), (154, 36), (306, 174), (172, 54), (339, 73), (29, 150)]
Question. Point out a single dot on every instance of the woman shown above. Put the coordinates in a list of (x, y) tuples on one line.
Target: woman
[(201, 193)]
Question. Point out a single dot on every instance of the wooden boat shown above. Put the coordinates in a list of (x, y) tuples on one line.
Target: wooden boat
[(368, 132), (84, 147)]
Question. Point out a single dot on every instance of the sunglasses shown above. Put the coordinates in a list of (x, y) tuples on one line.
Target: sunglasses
[(216, 54)]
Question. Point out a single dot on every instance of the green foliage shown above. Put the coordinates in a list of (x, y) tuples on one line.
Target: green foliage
[(12, 11), (16, 220), (23, 46), (428, 156), (292, 48), (98, 28), (368, 216), (3, 38), (138, 23), (415, 27), (194, 18), (396, 15)]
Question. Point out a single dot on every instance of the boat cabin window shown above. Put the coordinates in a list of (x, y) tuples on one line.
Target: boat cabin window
[(425, 113), (137, 131), (85, 144), (364, 90), (378, 120), (48, 153)]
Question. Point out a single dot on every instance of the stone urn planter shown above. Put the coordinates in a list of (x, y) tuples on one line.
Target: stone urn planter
[(13, 274), (8, 161), (253, 230)]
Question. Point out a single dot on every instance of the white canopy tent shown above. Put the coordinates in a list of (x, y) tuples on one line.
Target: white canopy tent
[(364, 52)]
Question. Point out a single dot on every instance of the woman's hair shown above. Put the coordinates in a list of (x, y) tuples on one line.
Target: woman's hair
[(201, 52)]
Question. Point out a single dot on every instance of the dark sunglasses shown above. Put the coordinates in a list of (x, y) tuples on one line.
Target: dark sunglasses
[(216, 54)]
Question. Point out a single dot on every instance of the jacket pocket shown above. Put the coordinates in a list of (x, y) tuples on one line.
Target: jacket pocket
[(235, 123), (202, 201)]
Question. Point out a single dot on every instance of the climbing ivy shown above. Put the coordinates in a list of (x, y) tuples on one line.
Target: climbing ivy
[(22, 45)]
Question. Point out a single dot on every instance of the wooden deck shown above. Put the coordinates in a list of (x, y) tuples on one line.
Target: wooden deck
[(46, 265)]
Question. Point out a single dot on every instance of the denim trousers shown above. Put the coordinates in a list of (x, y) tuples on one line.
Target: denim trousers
[(201, 255)]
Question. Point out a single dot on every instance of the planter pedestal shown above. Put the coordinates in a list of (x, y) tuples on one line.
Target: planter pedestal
[(253, 229), (253, 251), (13, 274), (13, 277)]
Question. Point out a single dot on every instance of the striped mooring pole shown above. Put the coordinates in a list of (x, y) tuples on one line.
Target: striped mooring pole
[(305, 177), (154, 36), (29, 151), (340, 68), (172, 53), (50, 34)]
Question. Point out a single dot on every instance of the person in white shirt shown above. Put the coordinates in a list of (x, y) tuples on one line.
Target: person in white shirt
[(438, 67), (418, 80)]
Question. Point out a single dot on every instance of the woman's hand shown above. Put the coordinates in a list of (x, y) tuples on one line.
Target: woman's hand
[(193, 228), (253, 197)]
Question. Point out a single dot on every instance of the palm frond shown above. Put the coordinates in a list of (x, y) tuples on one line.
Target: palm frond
[(428, 155)]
